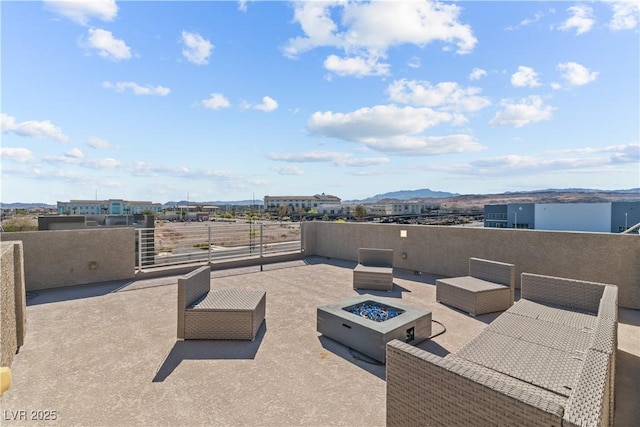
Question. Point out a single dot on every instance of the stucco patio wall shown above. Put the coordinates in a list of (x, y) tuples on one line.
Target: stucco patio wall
[(60, 258), (599, 257), (12, 301)]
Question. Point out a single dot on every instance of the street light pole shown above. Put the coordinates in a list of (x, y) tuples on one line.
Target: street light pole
[(515, 225), (625, 222)]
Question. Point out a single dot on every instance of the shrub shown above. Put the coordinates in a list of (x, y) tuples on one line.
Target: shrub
[(20, 224)]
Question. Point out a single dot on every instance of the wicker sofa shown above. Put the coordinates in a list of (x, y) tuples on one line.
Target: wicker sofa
[(489, 287), (548, 360), (374, 270), (223, 314)]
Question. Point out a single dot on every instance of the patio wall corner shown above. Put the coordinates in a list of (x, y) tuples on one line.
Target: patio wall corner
[(12, 301)]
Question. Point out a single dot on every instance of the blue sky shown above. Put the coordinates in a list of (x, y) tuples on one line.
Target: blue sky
[(215, 100)]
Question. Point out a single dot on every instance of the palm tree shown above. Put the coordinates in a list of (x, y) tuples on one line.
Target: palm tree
[(300, 212), (359, 212), (282, 210)]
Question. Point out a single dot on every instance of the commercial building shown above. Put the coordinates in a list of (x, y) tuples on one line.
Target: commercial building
[(108, 207), (613, 217), (408, 207), (293, 203)]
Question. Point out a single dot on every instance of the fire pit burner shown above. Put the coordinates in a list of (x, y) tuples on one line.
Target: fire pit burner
[(367, 323), (374, 310)]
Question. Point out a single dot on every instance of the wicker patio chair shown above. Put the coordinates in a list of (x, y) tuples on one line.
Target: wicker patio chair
[(489, 287), (374, 270), (224, 314)]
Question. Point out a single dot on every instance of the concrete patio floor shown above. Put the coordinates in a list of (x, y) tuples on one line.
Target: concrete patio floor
[(107, 354)]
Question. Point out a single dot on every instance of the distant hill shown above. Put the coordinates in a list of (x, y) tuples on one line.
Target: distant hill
[(405, 195), (19, 205), (577, 190), (545, 196)]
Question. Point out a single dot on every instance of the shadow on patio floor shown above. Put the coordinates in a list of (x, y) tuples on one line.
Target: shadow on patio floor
[(208, 350)]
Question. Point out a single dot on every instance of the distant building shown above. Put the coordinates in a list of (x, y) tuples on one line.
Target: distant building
[(194, 212), (293, 203), (513, 215), (108, 207), (407, 207), (335, 209), (613, 217)]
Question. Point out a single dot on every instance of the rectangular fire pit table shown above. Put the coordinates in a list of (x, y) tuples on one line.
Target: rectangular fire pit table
[(345, 322)]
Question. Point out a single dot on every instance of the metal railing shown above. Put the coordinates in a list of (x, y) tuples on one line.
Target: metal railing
[(633, 229), (173, 243)]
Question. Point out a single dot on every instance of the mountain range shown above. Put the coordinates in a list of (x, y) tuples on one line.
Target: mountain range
[(424, 193), (551, 195)]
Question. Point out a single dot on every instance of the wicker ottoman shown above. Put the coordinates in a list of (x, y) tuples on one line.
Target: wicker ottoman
[(475, 296), (226, 314)]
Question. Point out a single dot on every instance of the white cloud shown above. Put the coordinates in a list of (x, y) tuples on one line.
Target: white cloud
[(581, 19), (365, 161), (141, 169), (310, 157), (624, 153), (268, 105), (137, 89), (576, 74), (356, 66), (523, 164), (242, 5), (102, 163), (215, 102), (20, 155), (334, 157), (77, 158), (448, 96), (226, 179), (527, 21), (316, 23), (81, 11), (583, 160), (289, 170), (391, 129), (197, 49), (378, 121), (525, 77), (75, 153), (107, 46), (96, 142), (477, 74), (63, 168), (409, 145), (524, 112), (366, 30), (414, 62), (32, 128), (626, 15)]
